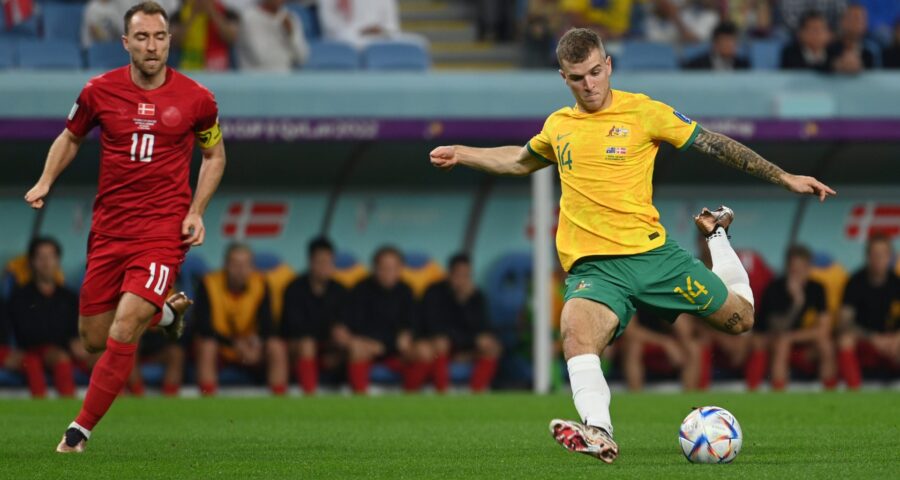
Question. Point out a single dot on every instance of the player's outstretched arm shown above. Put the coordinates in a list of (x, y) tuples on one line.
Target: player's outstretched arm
[(61, 154), (735, 154), (511, 160), (211, 171)]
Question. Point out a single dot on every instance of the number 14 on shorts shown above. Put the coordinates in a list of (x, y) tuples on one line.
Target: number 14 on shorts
[(692, 290), (161, 277)]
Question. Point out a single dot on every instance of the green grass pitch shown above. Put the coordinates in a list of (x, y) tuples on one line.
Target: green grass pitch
[(793, 436)]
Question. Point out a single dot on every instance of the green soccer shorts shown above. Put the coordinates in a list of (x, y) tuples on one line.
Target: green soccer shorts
[(666, 281)]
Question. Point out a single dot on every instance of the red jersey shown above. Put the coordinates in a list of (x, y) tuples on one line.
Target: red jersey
[(147, 142)]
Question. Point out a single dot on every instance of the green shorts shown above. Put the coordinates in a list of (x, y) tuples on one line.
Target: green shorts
[(666, 281)]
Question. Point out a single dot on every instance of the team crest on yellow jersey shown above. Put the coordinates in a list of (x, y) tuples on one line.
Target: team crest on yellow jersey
[(620, 132)]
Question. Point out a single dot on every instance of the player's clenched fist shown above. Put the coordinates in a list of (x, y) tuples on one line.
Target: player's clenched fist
[(35, 196), (443, 157)]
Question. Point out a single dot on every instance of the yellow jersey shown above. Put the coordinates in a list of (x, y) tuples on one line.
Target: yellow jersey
[(605, 162)]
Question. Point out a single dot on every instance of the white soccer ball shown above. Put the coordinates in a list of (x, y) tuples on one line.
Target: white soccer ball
[(710, 435)]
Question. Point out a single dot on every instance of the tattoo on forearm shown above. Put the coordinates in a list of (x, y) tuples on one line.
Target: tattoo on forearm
[(733, 153)]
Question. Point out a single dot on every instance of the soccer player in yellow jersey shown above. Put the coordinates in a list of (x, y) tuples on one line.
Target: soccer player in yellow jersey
[(610, 240)]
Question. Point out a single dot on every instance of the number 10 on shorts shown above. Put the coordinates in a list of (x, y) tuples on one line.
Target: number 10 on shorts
[(163, 275)]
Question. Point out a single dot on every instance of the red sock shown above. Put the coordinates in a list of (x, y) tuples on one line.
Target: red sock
[(307, 374), (848, 364), (63, 379), (359, 376), (830, 383), (107, 380), (778, 385), (137, 387), (755, 370), (208, 389), (170, 389), (33, 366), (441, 373), (706, 361), (414, 376), (485, 368), (279, 390), (4, 352), (156, 319)]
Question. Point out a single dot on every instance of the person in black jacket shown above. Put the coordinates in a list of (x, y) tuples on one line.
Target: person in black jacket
[(810, 49), (43, 316), (314, 314), (723, 53), (892, 54), (381, 322), (454, 320), (849, 54), (793, 313)]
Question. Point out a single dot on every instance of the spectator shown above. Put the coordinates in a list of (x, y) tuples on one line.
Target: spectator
[(793, 12), (612, 19), (156, 348), (810, 49), (653, 342), (542, 22), (680, 21), (753, 17), (360, 22), (10, 359), (870, 318), (454, 322), (204, 31), (314, 311), (883, 15), (381, 321), (793, 313), (102, 22), (270, 38), (849, 53), (44, 320), (723, 53), (233, 322), (892, 53), (496, 20)]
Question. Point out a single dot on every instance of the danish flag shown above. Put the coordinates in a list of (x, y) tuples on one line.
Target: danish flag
[(248, 219), (17, 11), (147, 109), (869, 218)]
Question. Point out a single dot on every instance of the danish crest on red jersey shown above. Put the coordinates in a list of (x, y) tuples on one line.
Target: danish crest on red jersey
[(146, 109)]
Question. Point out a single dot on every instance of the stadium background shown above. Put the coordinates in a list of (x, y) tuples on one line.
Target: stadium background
[(344, 152)]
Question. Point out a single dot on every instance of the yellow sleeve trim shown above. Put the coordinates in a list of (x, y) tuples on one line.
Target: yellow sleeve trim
[(690, 140), (210, 137)]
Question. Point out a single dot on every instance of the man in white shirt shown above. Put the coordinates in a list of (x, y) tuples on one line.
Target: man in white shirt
[(359, 22), (270, 38), (102, 20)]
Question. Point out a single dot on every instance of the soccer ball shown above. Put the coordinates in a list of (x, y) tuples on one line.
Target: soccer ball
[(710, 435)]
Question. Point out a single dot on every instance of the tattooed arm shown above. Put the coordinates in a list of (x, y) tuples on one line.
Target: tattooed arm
[(735, 154)]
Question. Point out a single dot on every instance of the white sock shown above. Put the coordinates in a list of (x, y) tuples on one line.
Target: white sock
[(84, 431), (727, 265), (168, 316), (590, 391)]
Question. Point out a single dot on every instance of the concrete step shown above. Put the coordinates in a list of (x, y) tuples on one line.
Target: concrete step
[(475, 52), (435, 10), (475, 66)]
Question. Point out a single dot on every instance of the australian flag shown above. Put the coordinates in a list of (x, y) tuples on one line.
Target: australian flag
[(615, 150)]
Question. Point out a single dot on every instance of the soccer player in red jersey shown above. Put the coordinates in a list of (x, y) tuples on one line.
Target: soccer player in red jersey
[(144, 219)]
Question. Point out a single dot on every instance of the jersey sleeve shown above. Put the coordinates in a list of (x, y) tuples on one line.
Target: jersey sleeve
[(206, 127), (664, 123), (82, 118), (540, 147)]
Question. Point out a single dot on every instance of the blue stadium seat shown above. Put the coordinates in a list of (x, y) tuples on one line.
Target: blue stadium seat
[(308, 19), (265, 261), (693, 50), (35, 54), (192, 271), (62, 21), (390, 55), (106, 55), (7, 54), (646, 56), (329, 55), (875, 48), (765, 54)]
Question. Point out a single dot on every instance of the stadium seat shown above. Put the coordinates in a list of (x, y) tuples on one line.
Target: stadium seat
[(833, 277), (765, 54), (348, 271), (308, 19), (646, 56), (192, 271), (50, 55), (693, 50), (507, 289), (62, 21), (7, 54), (396, 56), (106, 55), (266, 261), (329, 55), (420, 272)]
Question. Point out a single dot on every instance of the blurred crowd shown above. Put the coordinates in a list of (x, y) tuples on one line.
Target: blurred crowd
[(428, 325), (841, 36)]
